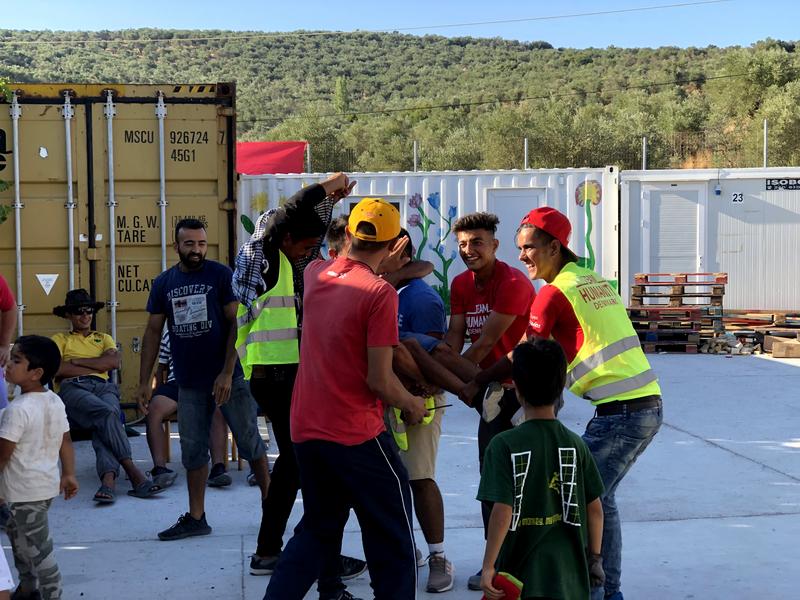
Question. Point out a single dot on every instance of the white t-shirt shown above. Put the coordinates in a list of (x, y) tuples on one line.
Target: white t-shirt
[(36, 422)]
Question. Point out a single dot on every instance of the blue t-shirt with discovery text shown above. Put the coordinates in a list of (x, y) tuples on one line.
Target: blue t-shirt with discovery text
[(198, 330), (421, 309)]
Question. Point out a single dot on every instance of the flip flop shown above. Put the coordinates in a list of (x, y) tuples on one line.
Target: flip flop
[(104, 495), (145, 489)]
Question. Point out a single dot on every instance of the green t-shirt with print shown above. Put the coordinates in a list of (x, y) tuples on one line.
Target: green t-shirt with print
[(546, 473)]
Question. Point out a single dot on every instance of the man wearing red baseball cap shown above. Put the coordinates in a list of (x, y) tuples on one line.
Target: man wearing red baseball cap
[(584, 314)]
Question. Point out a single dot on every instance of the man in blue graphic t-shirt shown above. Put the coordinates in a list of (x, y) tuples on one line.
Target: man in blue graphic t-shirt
[(421, 316), (195, 297)]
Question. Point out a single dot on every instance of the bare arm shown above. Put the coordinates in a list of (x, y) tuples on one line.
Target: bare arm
[(223, 382), (492, 330), (594, 515), (67, 369), (416, 269), (162, 372), (8, 323), (499, 522), (150, 342), (382, 381), (7, 448), (108, 361), (69, 483), (456, 332), (338, 186)]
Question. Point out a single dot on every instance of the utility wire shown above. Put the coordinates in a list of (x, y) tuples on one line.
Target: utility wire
[(358, 32), (514, 101)]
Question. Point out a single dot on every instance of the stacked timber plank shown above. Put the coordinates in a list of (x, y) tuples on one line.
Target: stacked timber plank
[(773, 332), (677, 312)]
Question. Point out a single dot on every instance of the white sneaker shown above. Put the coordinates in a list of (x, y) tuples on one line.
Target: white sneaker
[(421, 560), (440, 576), (491, 401)]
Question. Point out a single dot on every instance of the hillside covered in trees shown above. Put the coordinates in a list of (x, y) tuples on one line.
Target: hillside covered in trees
[(362, 98)]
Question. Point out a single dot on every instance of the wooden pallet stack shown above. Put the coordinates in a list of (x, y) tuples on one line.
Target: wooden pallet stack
[(676, 312)]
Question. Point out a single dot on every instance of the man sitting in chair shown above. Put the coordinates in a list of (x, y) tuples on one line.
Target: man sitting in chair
[(91, 400)]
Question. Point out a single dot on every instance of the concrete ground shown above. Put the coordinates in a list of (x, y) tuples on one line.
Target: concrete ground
[(710, 511)]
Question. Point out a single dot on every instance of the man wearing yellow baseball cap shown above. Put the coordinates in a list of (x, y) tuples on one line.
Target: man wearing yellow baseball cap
[(346, 457)]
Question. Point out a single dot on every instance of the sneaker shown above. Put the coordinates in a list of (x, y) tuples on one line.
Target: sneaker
[(421, 560), (518, 418), (251, 479), (440, 576), (263, 566), (218, 477), (351, 567), (491, 401), (474, 581), (20, 595), (186, 526), (162, 476), (343, 595)]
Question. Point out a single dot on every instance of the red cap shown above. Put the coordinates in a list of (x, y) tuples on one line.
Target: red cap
[(553, 222)]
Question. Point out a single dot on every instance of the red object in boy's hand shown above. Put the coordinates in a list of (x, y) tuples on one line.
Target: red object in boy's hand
[(511, 586)]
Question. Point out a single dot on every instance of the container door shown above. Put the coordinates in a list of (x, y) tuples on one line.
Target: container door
[(44, 217), (511, 204), (673, 219), (196, 177)]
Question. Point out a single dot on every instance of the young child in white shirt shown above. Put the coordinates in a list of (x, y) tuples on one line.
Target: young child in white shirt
[(34, 434)]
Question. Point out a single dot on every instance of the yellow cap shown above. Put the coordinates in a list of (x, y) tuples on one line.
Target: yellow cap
[(382, 215)]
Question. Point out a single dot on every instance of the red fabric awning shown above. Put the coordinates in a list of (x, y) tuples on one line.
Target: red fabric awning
[(259, 158)]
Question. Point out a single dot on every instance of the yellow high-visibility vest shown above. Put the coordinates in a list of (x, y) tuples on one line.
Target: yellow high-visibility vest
[(270, 336), (398, 426), (610, 365)]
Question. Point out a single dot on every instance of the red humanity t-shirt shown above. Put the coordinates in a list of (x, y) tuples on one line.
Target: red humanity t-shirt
[(6, 297), (346, 309), (508, 292), (552, 314)]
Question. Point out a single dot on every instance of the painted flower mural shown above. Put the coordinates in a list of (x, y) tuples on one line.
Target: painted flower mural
[(589, 193), (437, 245)]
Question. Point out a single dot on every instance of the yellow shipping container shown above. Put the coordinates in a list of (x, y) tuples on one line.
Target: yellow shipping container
[(99, 175)]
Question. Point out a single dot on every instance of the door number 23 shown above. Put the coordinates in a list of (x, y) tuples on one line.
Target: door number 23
[(737, 198)]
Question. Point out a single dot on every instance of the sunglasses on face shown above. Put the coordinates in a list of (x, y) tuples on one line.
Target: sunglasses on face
[(82, 311)]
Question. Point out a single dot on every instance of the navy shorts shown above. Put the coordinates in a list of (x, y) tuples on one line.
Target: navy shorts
[(168, 389)]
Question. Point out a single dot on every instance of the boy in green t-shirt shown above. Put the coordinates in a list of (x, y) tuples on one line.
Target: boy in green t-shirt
[(546, 525)]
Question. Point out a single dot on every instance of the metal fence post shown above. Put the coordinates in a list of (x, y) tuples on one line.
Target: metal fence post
[(416, 155), (525, 161), (644, 153), (765, 144)]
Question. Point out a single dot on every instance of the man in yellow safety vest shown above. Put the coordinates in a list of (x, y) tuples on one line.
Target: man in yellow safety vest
[(582, 312)]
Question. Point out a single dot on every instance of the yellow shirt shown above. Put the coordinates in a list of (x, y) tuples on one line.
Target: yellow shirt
[(76, 345)]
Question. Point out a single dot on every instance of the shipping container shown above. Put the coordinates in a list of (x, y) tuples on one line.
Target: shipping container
[(745, 222), (429, 203), (99, 175)]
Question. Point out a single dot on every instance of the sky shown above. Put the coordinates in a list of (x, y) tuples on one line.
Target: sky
[(720, 23)]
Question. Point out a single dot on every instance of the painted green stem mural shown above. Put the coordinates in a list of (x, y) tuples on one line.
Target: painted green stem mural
[(428, 227)]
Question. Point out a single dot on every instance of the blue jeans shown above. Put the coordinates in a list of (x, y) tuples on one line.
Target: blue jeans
[(93, 403), (195, 410), (616, 441)]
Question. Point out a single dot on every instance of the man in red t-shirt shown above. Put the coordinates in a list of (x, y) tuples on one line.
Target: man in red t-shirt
[(489, 303), (8, 324), (346, 458)]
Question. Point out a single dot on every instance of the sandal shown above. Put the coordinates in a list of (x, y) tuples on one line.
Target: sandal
[(145, 489), (104, 495)]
